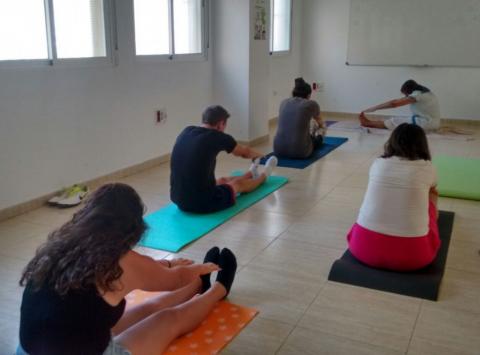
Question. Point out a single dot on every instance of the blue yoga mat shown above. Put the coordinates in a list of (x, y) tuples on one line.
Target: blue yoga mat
[(171, 229), (329, 144)]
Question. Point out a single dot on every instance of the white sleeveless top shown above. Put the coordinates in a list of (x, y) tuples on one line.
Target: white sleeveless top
[(397, 198), (426, 107)]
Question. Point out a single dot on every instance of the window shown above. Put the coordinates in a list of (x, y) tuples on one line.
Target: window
[(169, 27), (280, 25), (22, 30), (52, 30), (79, 28)]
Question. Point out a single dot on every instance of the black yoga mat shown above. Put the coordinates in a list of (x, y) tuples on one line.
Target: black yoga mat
[(424, 283)]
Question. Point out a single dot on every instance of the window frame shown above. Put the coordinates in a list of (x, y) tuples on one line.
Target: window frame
[(270, 44), (186, 57), (53, 61)]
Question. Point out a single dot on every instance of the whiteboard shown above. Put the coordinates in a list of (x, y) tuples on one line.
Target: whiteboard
[(414, 32)]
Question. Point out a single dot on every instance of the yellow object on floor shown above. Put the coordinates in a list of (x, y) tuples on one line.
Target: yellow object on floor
[(213, 334)]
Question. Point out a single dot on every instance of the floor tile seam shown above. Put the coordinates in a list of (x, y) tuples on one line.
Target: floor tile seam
[(40, 224), (463, 270), (379, 347), (474, 273), (450, 308), (256, 225), (354, 172), (26, 224), (272, 212), (279, 237), (260, 251), (259, 315), (314, 244), (324, 196), (414, 326), (341, 182), (329, 247), (300, 318)]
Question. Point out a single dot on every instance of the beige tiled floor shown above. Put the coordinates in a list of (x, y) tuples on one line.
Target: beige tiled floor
[(285, 245)]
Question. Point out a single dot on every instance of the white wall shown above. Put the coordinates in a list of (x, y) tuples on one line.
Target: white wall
[(230, 57), (285, 68), (59, 126), (259, 74), (353, 88), (247, 80)]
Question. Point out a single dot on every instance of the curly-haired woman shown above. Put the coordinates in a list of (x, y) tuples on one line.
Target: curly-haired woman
[(75, 286)]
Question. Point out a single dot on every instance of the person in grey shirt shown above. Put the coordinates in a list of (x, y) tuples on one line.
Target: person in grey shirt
[(297, 137)]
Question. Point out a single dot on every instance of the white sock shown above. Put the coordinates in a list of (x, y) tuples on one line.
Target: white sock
[(270, 165), (254, 168)]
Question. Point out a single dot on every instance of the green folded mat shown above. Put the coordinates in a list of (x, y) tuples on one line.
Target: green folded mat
[(458, 177), (171, 229)]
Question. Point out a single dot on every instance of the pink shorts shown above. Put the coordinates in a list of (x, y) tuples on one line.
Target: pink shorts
[(395, 253)]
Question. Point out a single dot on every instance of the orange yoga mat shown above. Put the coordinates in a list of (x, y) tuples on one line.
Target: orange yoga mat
[(215, 332)]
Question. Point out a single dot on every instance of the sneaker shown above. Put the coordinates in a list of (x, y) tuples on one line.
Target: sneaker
[(254, 168), (61, 196), (270, 165), (73, 196)]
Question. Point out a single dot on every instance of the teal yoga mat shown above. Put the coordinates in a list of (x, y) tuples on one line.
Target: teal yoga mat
[(171, 229), (458, 177)]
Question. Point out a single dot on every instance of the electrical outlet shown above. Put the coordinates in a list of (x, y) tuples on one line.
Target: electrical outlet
[(160, 116)]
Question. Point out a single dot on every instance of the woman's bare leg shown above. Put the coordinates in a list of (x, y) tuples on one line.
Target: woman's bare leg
[(164, 300), (365, 122), (152, 335)]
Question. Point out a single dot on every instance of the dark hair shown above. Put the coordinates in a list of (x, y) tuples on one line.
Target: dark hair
[(411, 85), (302, 89), (86, 250), (214, 114), (407, 141)]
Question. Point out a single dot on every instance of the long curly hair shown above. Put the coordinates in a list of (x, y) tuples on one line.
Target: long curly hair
[(86, 250)]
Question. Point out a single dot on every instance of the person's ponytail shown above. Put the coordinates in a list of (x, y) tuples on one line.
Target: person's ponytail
[(411, 85), (302, 89)]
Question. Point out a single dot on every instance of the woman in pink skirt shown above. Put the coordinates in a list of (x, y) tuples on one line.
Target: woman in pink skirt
[(397, 228)]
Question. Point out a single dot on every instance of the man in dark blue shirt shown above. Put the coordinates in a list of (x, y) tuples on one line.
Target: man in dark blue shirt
[(193, 186)]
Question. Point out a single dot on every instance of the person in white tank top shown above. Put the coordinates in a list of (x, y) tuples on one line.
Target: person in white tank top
[(423, 104)]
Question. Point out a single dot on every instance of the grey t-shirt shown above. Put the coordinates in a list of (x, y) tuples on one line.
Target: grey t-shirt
[(293, 134)]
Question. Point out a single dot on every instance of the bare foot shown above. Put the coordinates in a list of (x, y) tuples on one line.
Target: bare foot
[(363, 120)]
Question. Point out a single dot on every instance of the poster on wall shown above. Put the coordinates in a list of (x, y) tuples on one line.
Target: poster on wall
[(260, 20)]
